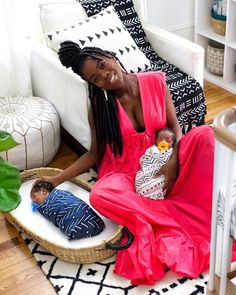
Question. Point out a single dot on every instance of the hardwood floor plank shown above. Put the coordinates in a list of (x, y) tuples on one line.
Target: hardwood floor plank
[(9, 244), (7, 231), (24, 276), (14, 255)]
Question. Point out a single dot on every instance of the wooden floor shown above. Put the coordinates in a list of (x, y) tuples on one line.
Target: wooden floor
[(19, 272)]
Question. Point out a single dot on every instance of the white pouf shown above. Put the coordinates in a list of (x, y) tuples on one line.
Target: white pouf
[(35, 124)]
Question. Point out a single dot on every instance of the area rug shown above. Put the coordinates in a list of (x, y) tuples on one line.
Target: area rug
[(99, 279)]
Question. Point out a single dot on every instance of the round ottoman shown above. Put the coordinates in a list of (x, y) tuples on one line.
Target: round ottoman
[(35, 125)]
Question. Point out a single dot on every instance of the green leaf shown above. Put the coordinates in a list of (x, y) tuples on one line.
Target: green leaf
[(9, 186), (7, 142)]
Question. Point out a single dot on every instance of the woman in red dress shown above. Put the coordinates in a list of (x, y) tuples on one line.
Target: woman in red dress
[(126, 110)]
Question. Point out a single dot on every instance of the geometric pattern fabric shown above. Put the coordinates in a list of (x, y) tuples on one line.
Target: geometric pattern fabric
[(187, 94), (104, 30)]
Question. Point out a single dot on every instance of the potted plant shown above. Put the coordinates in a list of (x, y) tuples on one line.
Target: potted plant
[(9, 176)]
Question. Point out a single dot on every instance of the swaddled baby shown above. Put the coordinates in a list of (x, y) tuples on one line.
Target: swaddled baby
[(70, 214), (155, 157)]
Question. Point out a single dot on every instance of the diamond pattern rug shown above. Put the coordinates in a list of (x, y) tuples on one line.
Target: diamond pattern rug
[(99, 279)]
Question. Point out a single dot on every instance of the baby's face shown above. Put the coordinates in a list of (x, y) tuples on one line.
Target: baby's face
[(39, 196), (166, 136)]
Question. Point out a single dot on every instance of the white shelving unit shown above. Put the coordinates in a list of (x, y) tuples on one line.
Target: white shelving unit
[(204, 33)]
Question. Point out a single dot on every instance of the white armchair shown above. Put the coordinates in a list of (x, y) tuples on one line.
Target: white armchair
[(68, 92)]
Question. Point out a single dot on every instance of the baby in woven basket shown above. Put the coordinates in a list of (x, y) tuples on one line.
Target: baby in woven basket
[(146, 184), (69, 213)]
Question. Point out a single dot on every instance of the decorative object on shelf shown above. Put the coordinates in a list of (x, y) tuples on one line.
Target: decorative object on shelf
[(218, 16), (35, 125), (215, 57)]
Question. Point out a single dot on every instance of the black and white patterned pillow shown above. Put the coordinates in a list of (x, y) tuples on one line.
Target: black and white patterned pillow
[(104, 30), (127, 14)]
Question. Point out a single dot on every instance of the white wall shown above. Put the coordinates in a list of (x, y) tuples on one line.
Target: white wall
[(176, 16)]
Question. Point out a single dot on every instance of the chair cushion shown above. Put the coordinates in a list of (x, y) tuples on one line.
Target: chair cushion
[(59, 15), (104, 30)]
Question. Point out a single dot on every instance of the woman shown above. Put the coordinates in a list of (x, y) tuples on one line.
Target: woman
[(126, 110)]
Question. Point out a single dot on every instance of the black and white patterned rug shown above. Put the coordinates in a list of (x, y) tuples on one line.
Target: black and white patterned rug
[(99, 279)]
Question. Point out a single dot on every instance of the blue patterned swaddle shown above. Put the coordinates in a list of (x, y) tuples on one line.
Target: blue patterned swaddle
[(71, 215)]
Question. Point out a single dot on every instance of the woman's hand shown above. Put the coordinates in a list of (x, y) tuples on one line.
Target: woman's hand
[(54, 180), (170, 171)]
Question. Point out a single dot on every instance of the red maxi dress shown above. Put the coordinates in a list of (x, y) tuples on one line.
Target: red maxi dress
[(174, 231)]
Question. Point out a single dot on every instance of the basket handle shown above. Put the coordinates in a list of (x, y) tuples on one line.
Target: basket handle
[(117, 245)]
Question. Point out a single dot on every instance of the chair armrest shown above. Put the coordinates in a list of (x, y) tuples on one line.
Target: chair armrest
[(185, 54), (64, 89)]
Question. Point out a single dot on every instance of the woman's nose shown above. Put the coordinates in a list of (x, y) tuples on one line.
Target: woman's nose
[(104, 74)]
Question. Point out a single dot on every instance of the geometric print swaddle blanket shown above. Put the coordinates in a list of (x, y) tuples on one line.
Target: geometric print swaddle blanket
[(71, 215), (221, 209), (150, 163)]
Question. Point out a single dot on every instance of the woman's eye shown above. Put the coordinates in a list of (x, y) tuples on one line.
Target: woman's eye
[(102, 66)]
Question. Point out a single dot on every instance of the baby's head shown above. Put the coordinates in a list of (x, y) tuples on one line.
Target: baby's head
[(40, 191), (165, 135)]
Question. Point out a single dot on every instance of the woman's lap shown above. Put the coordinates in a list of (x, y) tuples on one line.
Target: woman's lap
[(181, 221)]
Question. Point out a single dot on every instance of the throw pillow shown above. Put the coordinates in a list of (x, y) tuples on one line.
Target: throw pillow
[(58, 15), (104, 30), (127, 14)]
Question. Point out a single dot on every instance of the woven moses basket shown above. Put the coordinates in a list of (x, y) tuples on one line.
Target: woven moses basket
[(90, 254)]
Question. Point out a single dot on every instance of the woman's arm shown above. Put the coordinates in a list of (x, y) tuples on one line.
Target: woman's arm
[(83, 164), (170, 169)]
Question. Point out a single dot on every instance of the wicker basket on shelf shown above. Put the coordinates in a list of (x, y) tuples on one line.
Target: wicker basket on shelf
[(85, 255), (218, 23), (218, 26), (215, 58)]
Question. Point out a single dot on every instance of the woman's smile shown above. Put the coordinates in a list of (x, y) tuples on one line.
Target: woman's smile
[(111, 78)]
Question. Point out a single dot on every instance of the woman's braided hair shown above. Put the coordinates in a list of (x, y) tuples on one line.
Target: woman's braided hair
[(104, 109)]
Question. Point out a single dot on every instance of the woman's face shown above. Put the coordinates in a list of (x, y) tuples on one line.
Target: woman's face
[(104, 72)]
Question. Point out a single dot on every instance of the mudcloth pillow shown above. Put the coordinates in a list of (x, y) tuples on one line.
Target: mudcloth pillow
[(104, 30)]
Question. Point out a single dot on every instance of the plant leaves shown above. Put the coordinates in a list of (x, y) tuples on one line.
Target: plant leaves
[(10, 182), (7, 142)]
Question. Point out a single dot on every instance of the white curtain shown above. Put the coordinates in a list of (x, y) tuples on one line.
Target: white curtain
[(14, 49)]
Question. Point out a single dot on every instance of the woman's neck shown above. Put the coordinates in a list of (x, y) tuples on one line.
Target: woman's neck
[(128, 88)]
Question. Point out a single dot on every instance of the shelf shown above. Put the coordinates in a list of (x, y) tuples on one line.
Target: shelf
[(204, 33), (232, 44), (218, 80), (209, 33)]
